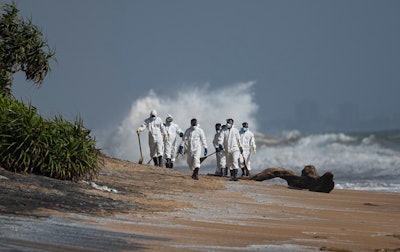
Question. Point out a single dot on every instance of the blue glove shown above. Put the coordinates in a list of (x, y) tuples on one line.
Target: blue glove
[(221, 147), (181, 134), (205, 151), (217, 149), (181, 149)]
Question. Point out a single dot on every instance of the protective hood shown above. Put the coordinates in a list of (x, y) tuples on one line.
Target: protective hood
[(169, 118), (153, 113)]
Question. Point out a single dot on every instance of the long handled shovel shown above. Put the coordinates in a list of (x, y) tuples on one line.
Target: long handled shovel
[(140, 147), (204, 158)]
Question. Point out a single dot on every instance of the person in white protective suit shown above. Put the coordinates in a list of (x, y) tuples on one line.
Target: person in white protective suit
[(230, 141), (220, 155), (157, 136), (193, 141), (170, 146), (248, 144)]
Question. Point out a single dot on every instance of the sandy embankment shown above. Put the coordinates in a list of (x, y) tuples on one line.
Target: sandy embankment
[(158, 209)]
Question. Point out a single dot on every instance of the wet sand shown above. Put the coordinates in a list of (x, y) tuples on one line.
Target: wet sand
[(135, 207)]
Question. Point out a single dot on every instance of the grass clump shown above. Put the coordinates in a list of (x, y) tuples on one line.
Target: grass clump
[(54, 148)]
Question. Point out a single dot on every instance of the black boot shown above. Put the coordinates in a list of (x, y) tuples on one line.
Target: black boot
[(195, 173), (171, 165), (223, 170), (234, 175), (159, 160), (243, 172), (155, 160), (226, 172), (218, 172), (168, 164)]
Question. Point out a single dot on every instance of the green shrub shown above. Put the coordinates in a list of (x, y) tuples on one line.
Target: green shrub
[(57, 148)]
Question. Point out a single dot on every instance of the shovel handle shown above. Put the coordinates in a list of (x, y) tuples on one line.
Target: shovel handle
[(140, 147)]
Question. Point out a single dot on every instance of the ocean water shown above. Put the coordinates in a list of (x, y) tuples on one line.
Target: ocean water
[(358, 160)]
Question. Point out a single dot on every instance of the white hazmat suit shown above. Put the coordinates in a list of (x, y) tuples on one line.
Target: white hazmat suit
[(156, 133), (230, 140), (194, 141), (248, 143), (220, 155), (170, 146)]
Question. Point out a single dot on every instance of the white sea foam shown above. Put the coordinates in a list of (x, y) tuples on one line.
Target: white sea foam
[(208, 105), (358, 161), (355, 162)]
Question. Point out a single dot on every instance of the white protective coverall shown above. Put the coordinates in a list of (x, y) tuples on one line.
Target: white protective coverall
[(157, 130), (170, 146), (194, 142), (221, 159), (248, 144), (230, 140)]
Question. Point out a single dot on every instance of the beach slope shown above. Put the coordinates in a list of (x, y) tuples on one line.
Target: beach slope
[(132, 207)]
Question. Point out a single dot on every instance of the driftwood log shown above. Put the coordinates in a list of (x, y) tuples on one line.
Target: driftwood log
[(309, 178)]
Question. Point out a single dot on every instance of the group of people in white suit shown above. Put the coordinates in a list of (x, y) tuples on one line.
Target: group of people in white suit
[(233, 147)]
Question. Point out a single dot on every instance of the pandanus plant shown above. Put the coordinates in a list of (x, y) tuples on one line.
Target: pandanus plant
[(55, 148)]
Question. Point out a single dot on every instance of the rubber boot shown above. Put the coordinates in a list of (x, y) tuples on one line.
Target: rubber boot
[(243, 172), (195, 174), (168, 164), (171, 165), (159, 160), (226, 172), (231, 172), (234, 175), (223, 170), (155, 160)]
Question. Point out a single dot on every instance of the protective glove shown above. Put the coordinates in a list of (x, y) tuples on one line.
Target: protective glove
[(181, 134), (180, 149), (241, 150), (138, 130), (254, 151), (217, 149), (205, 151), (166, 138), (221, 147)]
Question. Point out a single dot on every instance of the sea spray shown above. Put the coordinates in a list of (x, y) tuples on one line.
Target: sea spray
[(362, 161), (208, 104), (358, 161)]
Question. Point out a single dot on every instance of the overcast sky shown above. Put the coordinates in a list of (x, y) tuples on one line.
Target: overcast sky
[(317, 65)]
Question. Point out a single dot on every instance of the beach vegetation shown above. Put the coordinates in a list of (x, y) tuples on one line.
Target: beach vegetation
[(23, 48), (54, 148)]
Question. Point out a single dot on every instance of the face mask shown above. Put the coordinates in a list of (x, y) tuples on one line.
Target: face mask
[(244, 129), (228, 125), (168, 123)]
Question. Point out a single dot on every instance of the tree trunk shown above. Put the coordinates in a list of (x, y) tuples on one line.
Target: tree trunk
[(309, 178)]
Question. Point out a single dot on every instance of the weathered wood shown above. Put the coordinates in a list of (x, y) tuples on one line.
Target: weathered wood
[(309, 178)]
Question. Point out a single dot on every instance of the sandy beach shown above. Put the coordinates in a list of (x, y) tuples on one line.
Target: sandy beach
[(132, 207)]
